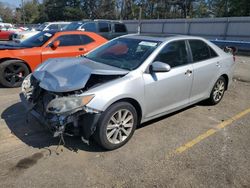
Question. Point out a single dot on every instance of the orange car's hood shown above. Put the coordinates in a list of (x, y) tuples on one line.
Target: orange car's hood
[(70, 74)]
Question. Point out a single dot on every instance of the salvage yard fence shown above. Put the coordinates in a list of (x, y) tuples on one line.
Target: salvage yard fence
[(231, 28)]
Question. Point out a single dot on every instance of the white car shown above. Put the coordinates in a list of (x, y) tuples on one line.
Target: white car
[(21, 36), (6, 25)]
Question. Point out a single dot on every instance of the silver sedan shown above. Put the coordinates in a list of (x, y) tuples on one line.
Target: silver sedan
[(126, 82)]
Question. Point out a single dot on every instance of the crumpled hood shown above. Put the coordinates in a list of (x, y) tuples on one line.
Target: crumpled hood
[(69, 74)]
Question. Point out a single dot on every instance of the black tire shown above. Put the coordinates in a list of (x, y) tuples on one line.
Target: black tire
[(213, 100), (101, 133), (12, 73)]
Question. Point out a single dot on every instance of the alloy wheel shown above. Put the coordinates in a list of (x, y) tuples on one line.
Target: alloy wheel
[(119, 126), (218, 90)]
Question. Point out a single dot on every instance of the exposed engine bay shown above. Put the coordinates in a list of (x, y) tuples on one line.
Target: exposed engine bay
[(65, 111)]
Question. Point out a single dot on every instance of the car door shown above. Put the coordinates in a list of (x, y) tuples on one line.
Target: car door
[(71, 45), (206, 67), (166, 91)]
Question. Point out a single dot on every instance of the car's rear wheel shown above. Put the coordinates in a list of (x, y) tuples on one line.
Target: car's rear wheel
[(116, 125), (12, 73), (218, 91)]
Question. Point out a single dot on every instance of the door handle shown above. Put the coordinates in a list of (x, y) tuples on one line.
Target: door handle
[(218, 64), (81, 49), (188, 72)]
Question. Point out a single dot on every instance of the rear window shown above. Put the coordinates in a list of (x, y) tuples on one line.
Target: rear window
[(120, 28), (86, 39)]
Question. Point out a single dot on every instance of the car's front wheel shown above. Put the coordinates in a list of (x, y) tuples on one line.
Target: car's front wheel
[(12, 73), (116, 125), (218, 91)]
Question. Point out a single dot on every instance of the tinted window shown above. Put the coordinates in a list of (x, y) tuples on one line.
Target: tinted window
[(120, 28), (89, 27), (200, 50), (70, 40), (86, 39), (104, 27), (73, 26), (53, 27), (42, 27), (212, 53), (61, 26), (174, 54)]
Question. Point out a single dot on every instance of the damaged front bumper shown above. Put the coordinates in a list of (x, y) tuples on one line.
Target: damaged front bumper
[(78, 123)]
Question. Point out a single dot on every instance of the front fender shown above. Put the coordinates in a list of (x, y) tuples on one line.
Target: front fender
[(128, 87)]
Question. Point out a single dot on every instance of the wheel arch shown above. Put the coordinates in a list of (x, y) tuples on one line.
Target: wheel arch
[(225, 76), (9, 58), (133, 102)]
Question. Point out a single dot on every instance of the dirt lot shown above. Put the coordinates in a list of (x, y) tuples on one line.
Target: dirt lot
[(201, 146)]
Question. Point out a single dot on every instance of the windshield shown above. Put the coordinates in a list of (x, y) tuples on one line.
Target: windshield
[(125, 53), (73, 26), (42, 27), (37, 40)]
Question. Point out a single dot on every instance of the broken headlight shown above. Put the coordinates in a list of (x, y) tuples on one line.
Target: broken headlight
[(67, 104), (26, 85)]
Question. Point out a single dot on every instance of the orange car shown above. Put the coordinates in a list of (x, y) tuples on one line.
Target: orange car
[(17, 61)]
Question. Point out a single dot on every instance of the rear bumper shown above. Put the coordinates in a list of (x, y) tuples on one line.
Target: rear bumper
[(76, 124)]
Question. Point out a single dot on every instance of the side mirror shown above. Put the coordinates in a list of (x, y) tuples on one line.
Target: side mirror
[(158, 66), (55, 44)]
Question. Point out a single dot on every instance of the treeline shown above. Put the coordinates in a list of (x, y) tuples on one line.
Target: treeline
[(35, 11)]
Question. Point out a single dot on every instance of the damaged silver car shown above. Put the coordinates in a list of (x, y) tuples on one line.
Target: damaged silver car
[(127, 81)]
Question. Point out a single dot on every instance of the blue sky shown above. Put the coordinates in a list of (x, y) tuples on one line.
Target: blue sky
[(12, 3)]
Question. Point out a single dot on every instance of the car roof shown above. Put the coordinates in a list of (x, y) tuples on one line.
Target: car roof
[(57, 22), (73, 32), (159, 37)]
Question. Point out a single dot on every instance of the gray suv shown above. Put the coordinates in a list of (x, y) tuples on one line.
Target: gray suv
[(105, 28)]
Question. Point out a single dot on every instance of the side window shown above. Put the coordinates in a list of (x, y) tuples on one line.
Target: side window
[(70, 40), (174, 54), (86, 39), (61, 26), (104, 27), (212, 53), (53, 27), (89, 27), (200, 50), (120, 28)]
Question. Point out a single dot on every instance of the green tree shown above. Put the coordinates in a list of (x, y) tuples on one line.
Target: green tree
[(30, 11), (6, 13), (239, 8)]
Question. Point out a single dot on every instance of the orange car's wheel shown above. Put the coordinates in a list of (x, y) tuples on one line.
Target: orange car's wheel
[(12, 73)]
